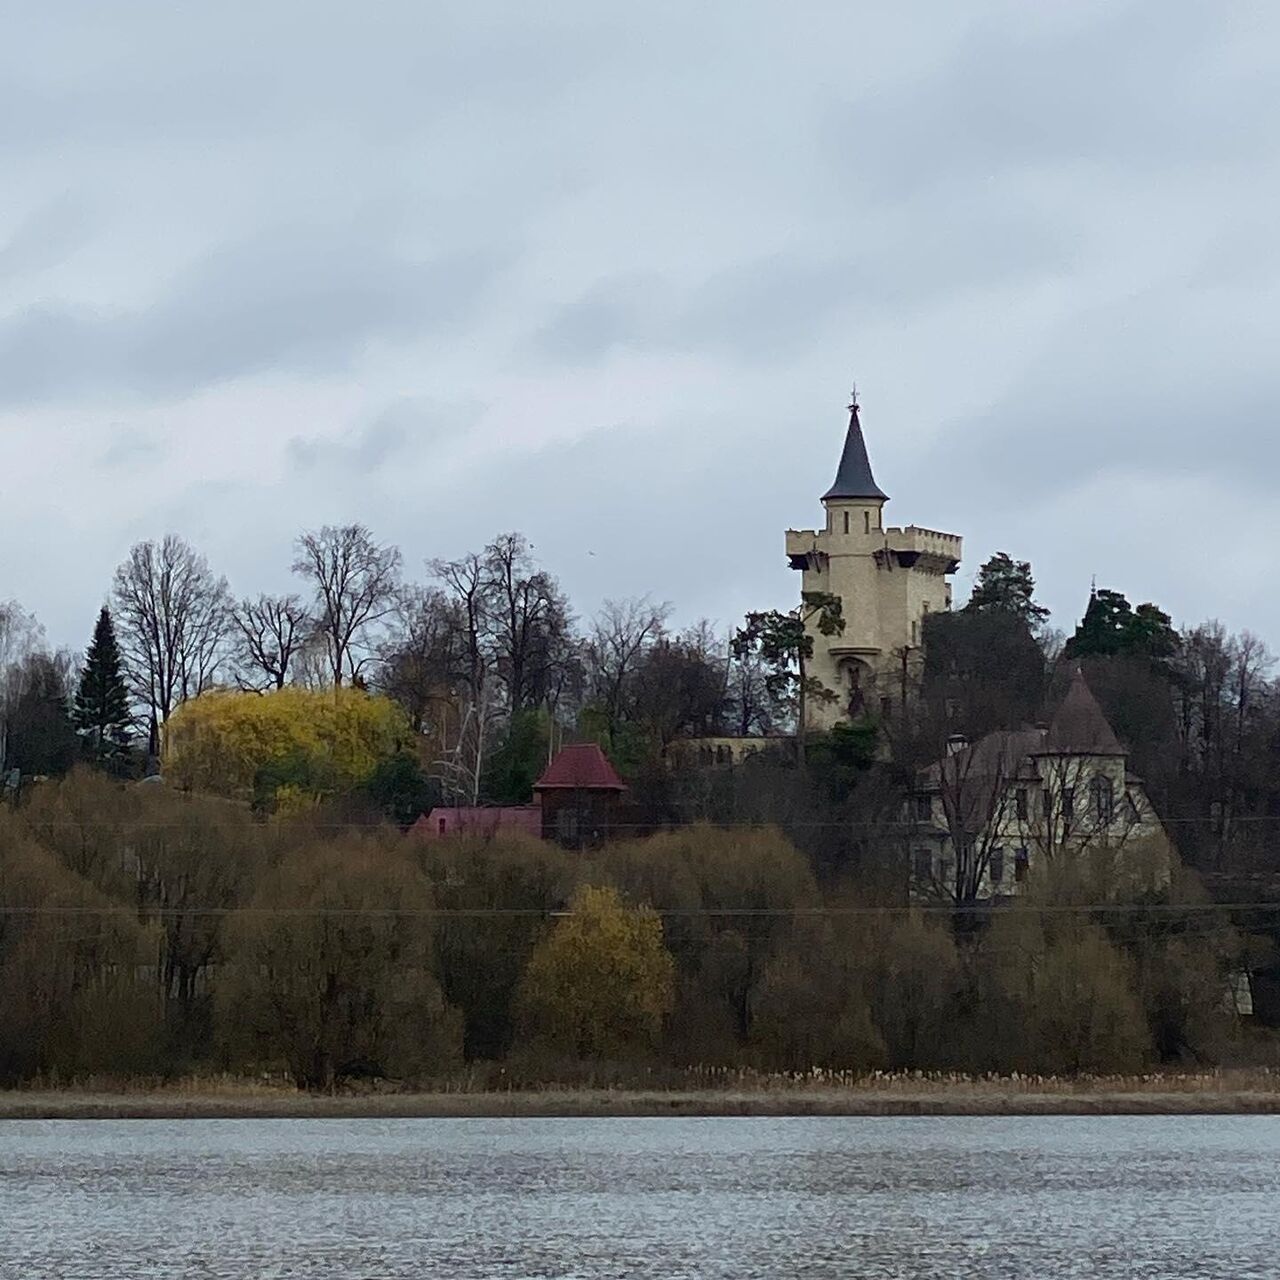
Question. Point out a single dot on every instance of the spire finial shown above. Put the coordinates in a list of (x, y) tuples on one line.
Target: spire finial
[(853, 399)]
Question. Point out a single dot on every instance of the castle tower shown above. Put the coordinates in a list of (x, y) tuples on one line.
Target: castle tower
[(888, 580)]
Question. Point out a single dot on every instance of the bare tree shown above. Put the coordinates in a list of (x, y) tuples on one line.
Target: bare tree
[(620, 634), (465, 583), (356, 581), (173, 617), (419, 663), (751, 707), (20, 637), (969, 794), (530, 622), (680, 684), (272, 631), (468, 589)]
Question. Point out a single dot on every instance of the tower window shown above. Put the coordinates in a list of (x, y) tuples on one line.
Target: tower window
[(846, 522), (866, 521)]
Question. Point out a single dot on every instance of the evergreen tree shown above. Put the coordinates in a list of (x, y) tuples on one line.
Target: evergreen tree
[(1111, 627), (41, 738), (1005, 585), (102, 700)]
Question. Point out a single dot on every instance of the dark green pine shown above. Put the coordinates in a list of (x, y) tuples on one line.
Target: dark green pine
[(102, 713)]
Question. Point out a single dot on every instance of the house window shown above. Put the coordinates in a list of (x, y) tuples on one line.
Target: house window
[(886, 708), (1046, 799), (915, 633), (1104, 802), (1068, 805), (922, 864), (995, 869), (444, 825), (1020, 863), (924, 808), (1020, 804)]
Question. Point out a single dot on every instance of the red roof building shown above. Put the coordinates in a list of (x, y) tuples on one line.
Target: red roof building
[(580, 794), (575, 803), (486, 823), (581, 766)]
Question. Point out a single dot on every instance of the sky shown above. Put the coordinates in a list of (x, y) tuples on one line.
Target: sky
[(604, 274)]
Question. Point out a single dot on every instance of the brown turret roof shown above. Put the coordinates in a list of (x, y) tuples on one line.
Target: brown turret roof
[(1078, 727), (581, 766)]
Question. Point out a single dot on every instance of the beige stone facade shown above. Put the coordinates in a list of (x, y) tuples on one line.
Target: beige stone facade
[(888, 580), (994, 814)]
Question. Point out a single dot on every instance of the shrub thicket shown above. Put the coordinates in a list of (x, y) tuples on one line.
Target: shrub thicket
[(148, 932)]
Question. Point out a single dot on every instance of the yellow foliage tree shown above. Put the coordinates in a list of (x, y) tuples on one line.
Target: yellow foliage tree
[(601, 982), (292, 744)]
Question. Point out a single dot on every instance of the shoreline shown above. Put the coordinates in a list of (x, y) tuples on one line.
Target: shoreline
[(967, 1099)]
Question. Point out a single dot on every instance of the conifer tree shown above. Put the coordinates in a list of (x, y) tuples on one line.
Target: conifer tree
[(102, 713), (1005, 585)]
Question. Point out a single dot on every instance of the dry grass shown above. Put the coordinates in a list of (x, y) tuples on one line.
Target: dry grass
[(703, 1093)]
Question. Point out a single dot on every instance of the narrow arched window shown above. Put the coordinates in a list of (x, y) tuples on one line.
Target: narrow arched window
[(866, 520), (846, 522)]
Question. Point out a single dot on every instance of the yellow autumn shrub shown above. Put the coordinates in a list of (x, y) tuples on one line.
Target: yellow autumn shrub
[(292, 743)]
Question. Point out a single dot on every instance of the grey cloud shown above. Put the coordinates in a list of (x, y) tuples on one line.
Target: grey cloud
[(1135, 84), (1134, 384), (44, 237), (405, 427), (616, 312), (1066, 209), (774, 308), (204, 73), (289, 300), (129, 447)]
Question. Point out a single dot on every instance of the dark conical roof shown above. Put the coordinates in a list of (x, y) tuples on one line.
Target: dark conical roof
[(1078, 727), (854, 479)]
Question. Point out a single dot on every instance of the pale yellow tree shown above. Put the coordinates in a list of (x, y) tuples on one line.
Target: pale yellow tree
[(601, 983), (295, 742)]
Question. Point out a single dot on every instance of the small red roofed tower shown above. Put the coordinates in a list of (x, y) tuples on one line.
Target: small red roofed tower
[(580, 794)]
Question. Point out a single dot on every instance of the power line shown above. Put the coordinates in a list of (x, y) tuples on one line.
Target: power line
[(545, 913)]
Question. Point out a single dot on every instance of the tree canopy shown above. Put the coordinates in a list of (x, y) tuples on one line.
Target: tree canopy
[(601, 983), (1111, 627), (293, 745), (1005, 585)]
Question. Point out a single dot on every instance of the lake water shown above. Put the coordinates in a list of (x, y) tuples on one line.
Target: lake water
[(1154, 1198)]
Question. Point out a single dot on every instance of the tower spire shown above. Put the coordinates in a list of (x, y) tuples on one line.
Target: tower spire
[(854, 478)]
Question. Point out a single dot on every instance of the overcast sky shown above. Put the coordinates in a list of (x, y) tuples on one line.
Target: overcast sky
[(604, 274)]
